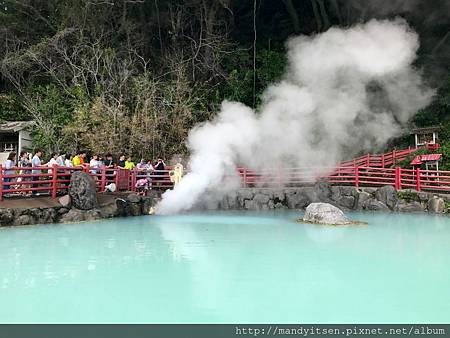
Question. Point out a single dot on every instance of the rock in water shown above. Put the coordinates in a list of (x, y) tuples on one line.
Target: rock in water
[(82, 191), (436, 205), (325, 213)]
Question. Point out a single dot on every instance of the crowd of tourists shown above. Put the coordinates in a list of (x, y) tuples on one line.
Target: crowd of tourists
[(28, 163)]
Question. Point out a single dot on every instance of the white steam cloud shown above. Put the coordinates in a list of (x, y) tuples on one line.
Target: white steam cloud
[(344, 91)]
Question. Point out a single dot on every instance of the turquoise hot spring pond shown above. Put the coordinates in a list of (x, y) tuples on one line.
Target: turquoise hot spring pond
[(226, 268)]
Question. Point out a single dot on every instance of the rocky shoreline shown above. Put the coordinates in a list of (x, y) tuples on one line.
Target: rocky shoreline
[(133, 205), (81, 204), (345, 197)]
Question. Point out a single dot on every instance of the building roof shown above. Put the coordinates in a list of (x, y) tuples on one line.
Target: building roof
[(14, 126), (425, 158), (425, 130)]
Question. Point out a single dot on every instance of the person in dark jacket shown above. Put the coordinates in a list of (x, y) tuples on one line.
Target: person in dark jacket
[(159, 172)]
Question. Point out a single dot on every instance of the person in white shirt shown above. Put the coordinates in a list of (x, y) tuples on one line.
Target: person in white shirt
[(53, 161), (9, 164), (36, 162), (94, 164), (61, 159), (68, 161)]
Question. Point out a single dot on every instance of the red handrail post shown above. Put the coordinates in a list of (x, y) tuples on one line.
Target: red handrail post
[(357, 177), (54, 180), (245, 177), (133, 179), (382, 160), (393, 157), (398, 178), (368, 160), (103, 180), (418, 179), (117, 178), (1, 183)]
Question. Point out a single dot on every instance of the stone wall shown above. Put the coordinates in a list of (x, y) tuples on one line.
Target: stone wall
[(347, 198), (132, 205)]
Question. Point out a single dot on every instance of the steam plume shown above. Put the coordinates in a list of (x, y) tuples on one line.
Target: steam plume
[(344, 91)]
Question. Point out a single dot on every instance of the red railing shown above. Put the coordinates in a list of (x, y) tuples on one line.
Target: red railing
[(54, 180), (360, 176), (380, 160)]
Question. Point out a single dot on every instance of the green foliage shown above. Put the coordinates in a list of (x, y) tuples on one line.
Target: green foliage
[(408, 196), (406, 162), (11, 108), (52, 110), (135, 76)]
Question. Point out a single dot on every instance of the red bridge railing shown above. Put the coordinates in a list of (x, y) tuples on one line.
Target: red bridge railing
[(360, 176), (55, 180)]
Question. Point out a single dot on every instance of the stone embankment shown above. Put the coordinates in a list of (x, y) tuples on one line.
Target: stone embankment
[(346, 198), (81, 204)]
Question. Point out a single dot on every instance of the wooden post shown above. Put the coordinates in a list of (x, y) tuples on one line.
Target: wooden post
[(357, 177), (398, 178), (54, 180), (245, 177), (418, 179), (133, 179), (117, 178), (103, 180), (1, 183)]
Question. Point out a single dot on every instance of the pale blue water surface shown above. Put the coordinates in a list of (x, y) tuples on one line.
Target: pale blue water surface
[(227, 267)]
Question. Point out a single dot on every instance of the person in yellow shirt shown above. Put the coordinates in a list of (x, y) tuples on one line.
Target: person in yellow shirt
[(176, 173), (76, 160), (129, 164)]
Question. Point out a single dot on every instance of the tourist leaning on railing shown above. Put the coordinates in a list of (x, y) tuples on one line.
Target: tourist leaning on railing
[(53, 161), (68, 161), (129, 164), (94, 164), (121, 162), (9, 164), (36, 162), (24, 162)]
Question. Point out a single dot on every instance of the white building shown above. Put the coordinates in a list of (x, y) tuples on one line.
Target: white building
[(426, 136), (14, 136)]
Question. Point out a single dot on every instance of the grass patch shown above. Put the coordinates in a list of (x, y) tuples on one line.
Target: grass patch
[(408, 196)]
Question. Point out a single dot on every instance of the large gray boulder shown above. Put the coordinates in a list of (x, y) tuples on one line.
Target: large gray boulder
[(387, 195), (299, 199), (325, 213), (82, 191), (375, 205), (412, 206), (363, 198), (436, 205), (6, 217)]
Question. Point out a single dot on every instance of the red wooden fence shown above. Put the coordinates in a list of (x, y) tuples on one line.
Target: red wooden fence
[(359, 176), (52, 181)]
